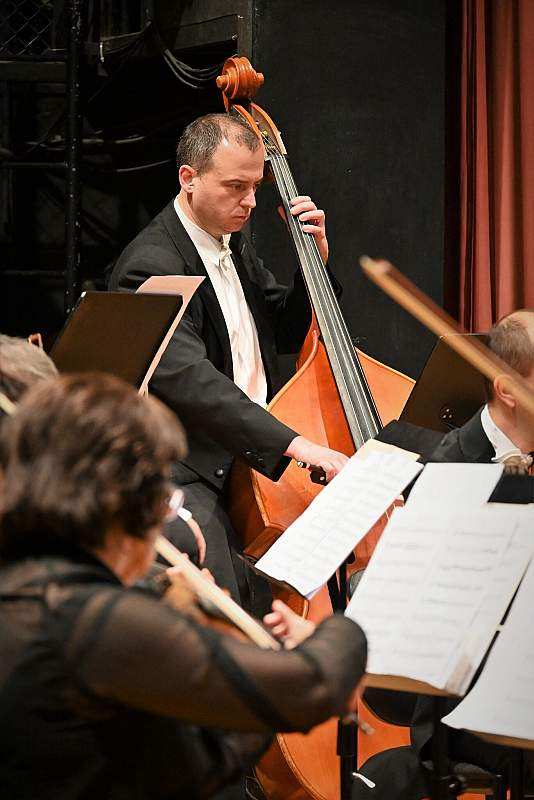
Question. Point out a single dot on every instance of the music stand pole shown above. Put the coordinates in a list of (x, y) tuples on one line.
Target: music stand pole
[(347, 729), (444, 785)]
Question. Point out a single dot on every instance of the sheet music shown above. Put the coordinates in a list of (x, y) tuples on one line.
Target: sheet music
[(502, 700), (434, 593), (184, 285), (502, 586), (314, 546), (445, 486)]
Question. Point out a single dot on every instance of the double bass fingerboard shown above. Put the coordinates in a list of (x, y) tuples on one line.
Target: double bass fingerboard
[(360, 409)]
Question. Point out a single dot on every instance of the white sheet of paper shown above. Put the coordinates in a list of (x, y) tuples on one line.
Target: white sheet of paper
[(435, 590), (184, 285), (445, 486), (502, 700), (314, 546), (502, 586)]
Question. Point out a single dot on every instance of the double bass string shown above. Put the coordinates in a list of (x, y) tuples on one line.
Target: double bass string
[(341, 350)]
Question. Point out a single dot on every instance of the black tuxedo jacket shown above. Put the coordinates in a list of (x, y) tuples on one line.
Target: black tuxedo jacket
[(468, 444), (195, 375)]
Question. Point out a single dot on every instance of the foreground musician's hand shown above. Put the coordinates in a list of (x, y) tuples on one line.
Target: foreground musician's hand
[(177, 570), (199, 538), (287, 626), (332, 462)]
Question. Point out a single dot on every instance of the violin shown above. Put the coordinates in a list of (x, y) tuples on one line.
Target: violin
[(211, 597)]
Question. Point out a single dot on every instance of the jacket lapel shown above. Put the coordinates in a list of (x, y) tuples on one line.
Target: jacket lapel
[(473, 442), (195, 266)]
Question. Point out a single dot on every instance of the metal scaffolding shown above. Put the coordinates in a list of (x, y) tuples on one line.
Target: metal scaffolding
[(25, 36)]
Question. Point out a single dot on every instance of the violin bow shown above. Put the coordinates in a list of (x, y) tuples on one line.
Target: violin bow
[(6, 405), (213, 594), (419, 305)]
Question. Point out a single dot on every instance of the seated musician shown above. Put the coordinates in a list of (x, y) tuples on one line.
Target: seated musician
[(220, 368), (501, 431), (105, 691), (22, 365)]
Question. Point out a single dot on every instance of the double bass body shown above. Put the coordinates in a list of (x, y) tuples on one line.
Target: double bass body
[(337, 398), (301, 767)]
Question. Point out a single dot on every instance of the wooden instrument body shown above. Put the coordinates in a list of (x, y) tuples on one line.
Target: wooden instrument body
[(309, 403), (261, 511), (306, 766)]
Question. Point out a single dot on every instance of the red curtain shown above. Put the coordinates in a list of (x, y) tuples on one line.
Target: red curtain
[(497, 160)]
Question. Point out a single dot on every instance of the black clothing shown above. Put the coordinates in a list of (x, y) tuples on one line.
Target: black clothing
[(204, 502), (468, 444), (103, 689), (195, 375), (181, 535), (195, 379), (410, 437)]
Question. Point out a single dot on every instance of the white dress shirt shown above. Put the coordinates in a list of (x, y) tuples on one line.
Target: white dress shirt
[(503, 446), (249, 372)]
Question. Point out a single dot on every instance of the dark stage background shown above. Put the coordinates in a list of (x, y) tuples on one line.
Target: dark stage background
[(359, 88)]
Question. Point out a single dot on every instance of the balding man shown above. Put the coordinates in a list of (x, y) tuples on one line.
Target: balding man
[(502, 432), (502, 429)]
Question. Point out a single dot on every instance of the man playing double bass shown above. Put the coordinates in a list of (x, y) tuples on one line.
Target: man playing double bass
[(220, 367)]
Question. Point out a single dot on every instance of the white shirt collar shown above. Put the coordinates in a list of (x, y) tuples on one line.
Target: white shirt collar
[(203, 240), (502, 445)]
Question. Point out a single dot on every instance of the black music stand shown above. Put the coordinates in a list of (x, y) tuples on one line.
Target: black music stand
[(449, 390), (115, 332)]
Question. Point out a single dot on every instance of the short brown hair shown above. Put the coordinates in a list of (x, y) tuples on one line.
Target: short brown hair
[(202, 137), (21, 365), (81, 453), (510, 340)]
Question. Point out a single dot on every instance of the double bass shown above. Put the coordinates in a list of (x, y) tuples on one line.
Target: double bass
[(340, 398)]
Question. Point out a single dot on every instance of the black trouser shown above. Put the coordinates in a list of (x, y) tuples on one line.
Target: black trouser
[(223, 548)]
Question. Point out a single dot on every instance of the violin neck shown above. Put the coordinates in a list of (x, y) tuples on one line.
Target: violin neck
[(358, 403), (211, 593)]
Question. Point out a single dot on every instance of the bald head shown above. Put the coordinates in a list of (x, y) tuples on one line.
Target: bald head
[(512, 339)]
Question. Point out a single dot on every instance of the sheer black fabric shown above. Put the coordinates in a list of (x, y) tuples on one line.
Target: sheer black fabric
[(107, 692)]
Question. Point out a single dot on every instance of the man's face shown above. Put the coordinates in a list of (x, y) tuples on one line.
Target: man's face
[(222, 198)]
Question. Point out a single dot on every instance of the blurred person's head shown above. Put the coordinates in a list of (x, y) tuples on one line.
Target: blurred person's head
[(21, 365), (512, 339), (86, 465)]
